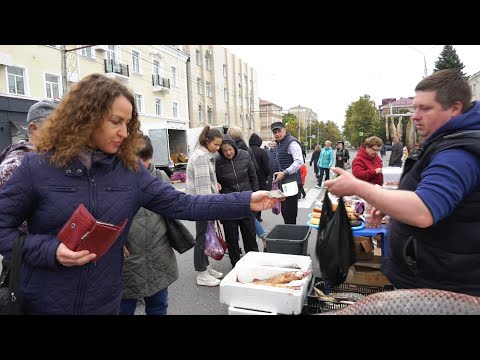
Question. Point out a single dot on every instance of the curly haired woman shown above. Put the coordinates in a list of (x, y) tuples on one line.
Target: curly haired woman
[(87, 155)]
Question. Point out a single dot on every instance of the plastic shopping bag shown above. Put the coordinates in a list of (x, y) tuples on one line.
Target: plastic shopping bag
[(215, 245), (277, 209), (334, 249)]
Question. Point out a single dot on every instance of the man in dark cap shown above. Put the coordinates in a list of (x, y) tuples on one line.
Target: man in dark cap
[(12, 156), (287, 160)]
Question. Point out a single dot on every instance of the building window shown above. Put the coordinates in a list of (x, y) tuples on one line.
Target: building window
[(207, 63), (225, 94), (158, 106), (16, 80), (156, 67), (197, 57), (209, 115), (226, 119), (175, 110), (86, 52), (138, 102), (136, 61), (208, 89), (112, 53), (52, 86), (199, 86), (200, 113), (174, 76), (225, 71)]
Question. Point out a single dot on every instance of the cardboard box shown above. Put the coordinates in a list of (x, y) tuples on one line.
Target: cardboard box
[(367, 273), (183, 158), (262, 297), (363, 248)]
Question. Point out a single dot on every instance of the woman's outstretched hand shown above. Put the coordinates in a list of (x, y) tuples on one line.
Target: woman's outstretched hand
[(261, 201)]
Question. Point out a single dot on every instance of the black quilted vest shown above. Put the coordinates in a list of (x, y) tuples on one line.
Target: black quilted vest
[(282, 159), (446, 255)]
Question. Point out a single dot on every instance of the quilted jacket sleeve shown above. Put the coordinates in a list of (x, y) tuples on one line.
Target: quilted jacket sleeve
[(16, 201), (163, 199)]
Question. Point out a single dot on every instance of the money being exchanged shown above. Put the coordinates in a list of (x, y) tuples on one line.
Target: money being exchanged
[(288, 189)]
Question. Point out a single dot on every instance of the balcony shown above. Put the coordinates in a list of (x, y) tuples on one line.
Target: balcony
[(117, 71), (101, 47), (160, 84)]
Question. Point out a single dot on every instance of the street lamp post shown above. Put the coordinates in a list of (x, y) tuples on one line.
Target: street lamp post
[(424, 57)]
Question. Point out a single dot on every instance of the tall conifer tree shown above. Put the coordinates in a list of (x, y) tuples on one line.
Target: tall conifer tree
[(449, 59)]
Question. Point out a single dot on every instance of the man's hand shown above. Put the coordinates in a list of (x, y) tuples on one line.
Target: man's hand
[(261, 201), (279, 176), (69, 258)]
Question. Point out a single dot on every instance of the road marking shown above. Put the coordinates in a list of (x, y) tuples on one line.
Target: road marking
[(312, 195)]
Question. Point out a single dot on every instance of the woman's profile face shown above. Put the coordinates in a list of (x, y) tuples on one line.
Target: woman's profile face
[(214, 145), (111, 133)]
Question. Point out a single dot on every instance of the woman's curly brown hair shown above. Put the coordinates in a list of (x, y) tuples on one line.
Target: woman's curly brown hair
[(68, 130)]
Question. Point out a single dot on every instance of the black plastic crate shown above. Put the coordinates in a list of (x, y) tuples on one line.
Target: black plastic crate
[(288, 239), (315, 306)]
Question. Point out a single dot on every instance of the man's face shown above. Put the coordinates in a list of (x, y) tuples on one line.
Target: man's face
[(228, 151), (429, 114), (279, 134)]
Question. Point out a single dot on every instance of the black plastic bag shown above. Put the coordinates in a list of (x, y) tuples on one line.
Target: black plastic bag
[(11, 295), (334, 249)]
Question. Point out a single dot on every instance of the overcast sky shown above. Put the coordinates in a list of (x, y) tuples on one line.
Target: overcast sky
[(327, 78)]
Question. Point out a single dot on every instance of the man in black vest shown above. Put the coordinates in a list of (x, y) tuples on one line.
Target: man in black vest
[(287, 160), (397, 152), (435, 218)]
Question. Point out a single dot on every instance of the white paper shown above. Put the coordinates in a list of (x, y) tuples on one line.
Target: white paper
[(288, 189)]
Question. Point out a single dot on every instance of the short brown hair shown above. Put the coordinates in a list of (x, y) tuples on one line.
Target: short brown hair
[(450, 87), (372, 141)]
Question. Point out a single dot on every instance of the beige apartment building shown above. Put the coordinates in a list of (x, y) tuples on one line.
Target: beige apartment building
[(305, 117), (269, 113), (222, 89), (156, 74)]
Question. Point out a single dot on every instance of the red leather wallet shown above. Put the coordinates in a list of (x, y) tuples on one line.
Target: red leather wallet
[(83, 232)]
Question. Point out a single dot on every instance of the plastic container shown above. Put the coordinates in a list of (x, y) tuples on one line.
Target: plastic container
[(315, 305), (271, 299), (288, 239)]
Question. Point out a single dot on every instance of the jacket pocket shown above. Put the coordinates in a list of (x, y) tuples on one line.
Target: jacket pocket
[(113, 195), (410, 255)]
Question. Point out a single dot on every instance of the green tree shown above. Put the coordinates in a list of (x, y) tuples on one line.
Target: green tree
[(332, 132), (291, 124), (449, 59), (361, 121)]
